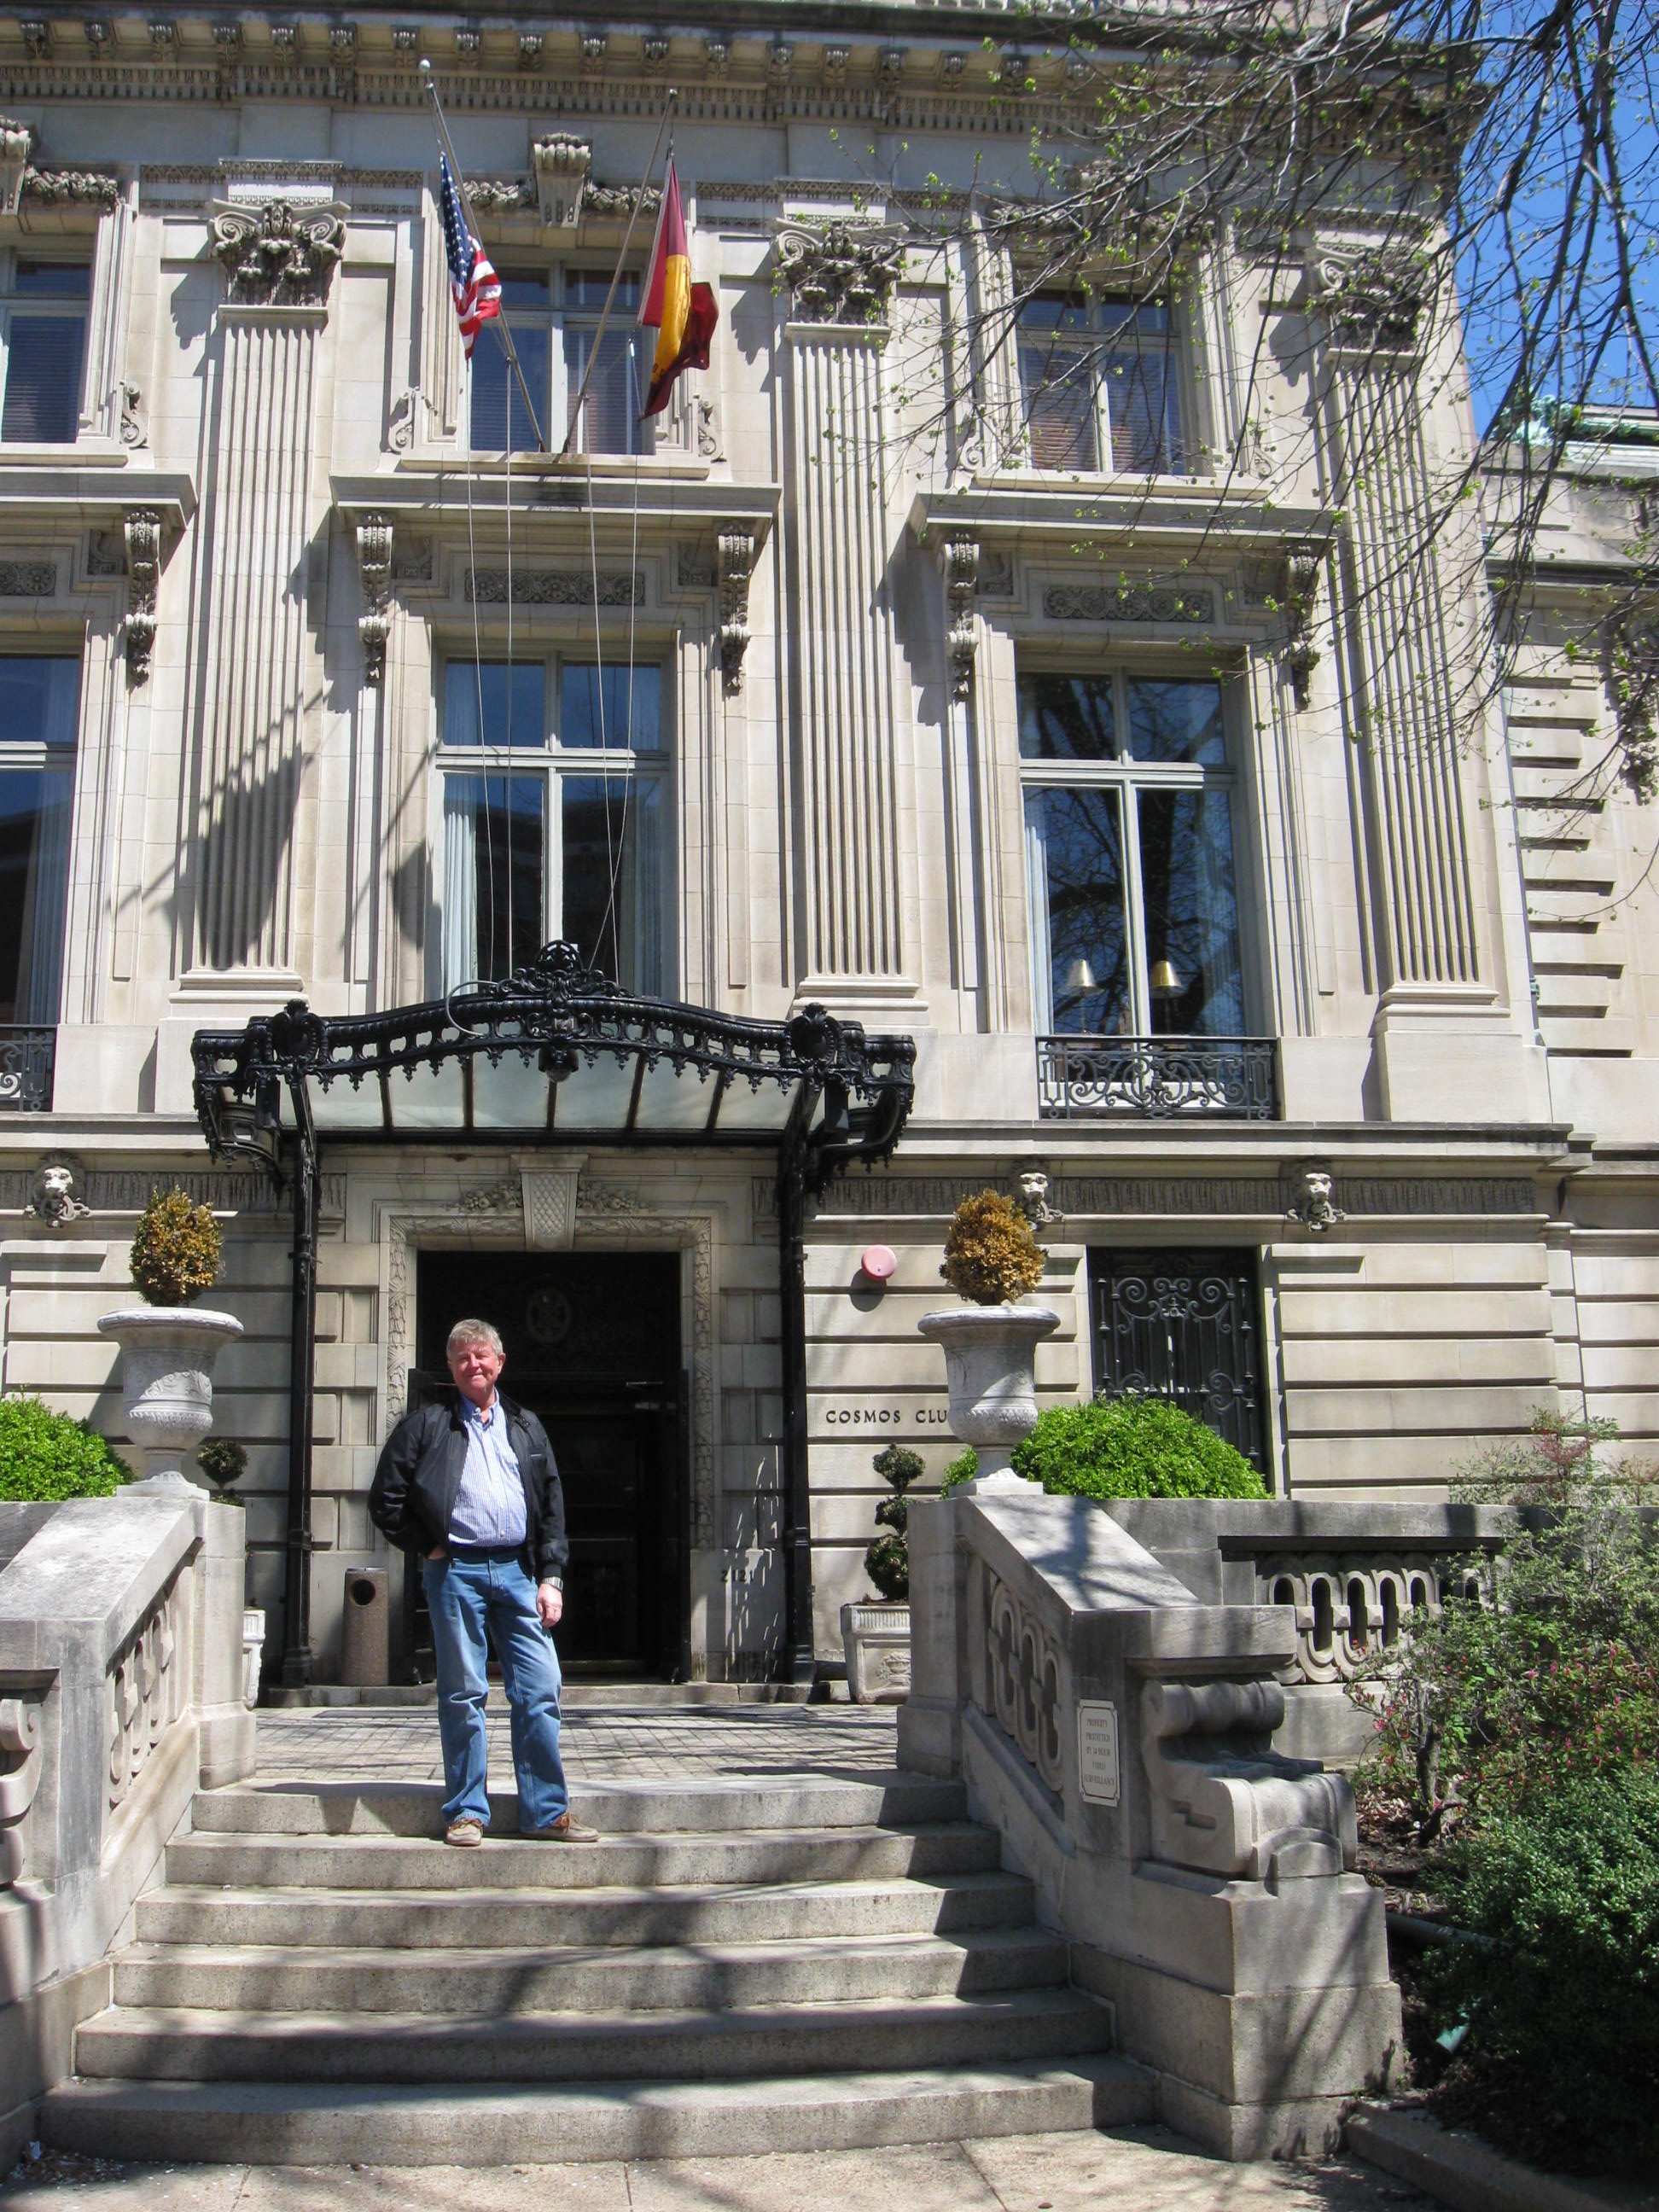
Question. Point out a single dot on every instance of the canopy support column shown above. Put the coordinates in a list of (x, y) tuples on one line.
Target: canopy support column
[(297, 1665), (797, 1661)]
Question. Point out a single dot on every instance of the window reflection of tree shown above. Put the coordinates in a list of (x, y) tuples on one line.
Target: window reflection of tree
[(1089, 951)]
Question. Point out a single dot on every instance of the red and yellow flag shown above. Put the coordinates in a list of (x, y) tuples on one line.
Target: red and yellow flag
[(683, 314)]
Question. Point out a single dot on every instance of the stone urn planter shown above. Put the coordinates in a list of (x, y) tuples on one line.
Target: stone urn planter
[(166, 1379), (875, 1635), (990, 1362)]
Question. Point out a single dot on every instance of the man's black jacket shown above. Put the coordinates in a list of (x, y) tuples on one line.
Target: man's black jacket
[(420, 1472)]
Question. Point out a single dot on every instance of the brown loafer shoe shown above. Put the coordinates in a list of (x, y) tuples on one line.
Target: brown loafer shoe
[(466, 1834), (564, 1830)]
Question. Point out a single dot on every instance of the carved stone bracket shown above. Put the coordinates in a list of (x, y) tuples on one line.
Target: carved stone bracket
[(144, 544), (20, 1735), (735, 554), (958, 559), (1303, 567), (562, 162), (840, 274), (1220, 1800), (400, 425), (374, 574), (134, 420), (278, 255), (16, 141)]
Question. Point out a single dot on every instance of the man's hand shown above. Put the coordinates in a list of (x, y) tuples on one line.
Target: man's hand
[(550, 1604), (438, 1551)]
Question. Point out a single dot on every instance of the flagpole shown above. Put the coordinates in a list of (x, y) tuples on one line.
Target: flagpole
[(473, 228), (616, 277)]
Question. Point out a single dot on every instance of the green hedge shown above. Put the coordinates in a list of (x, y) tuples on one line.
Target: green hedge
[(1563, 2008), (1126, 1448), (45, 1457)]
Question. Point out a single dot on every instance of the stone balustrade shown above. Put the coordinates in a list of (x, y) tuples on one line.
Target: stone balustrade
[(1351, 1576), (1123, 1733), (120, 1694)]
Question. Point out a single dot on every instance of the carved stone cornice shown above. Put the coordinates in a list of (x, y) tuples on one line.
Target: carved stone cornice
[(840, 274), (958, 561), (278, 254), (374, 575), (735, 559), (143, 550)]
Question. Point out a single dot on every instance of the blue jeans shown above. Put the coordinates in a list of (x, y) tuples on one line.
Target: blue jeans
[(461, 1595)]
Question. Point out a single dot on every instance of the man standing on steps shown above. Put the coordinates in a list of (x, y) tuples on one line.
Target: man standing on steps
[(476, 1486)]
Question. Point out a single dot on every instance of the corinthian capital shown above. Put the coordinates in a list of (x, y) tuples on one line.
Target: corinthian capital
[(840, 274), (278, 255)]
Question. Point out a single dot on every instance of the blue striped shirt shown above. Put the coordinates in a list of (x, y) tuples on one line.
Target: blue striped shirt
[(489, 1505)]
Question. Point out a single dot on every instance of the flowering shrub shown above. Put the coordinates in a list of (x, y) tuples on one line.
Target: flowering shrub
[(176, 1250), (991, 1256), (1521, 1731)]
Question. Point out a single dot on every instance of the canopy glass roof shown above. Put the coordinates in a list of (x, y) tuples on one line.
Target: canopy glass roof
[(556, 1050)]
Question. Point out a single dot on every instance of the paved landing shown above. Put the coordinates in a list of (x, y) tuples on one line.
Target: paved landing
[(364, 1744), (1140, 2170)]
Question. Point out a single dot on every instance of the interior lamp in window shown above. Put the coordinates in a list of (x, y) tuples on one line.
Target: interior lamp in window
[(1080, 979), (1163, 982)]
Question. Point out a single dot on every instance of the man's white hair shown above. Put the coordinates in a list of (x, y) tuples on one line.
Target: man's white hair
[(474, 1332)]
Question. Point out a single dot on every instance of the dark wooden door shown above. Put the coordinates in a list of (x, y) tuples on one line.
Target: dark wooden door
[(592, 1349)]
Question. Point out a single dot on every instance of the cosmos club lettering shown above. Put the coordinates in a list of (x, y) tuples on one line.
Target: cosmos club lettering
[(885, 1417)]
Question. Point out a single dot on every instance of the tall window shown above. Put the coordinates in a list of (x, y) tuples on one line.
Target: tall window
[(555, 316), (556, 811), (43, 342), (1130, 856), (1100, 379), (39, 707)]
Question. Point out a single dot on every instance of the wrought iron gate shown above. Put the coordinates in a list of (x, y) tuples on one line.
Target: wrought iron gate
[(1182, 1325)]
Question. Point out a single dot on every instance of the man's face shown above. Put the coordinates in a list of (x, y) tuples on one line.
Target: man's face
[(474, 1368)]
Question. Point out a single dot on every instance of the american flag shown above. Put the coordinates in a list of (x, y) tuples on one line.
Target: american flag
[(476, 288)]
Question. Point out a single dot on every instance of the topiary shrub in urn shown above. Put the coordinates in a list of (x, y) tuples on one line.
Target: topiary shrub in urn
[(992, 1259), (875, 1633), (168, 1344)]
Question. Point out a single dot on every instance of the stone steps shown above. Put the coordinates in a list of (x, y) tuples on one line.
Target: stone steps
[(453, 1981), (827, 1960), (180, 2045), (275, 2123), (621, 1809), (415, 1919), (679, 1860)]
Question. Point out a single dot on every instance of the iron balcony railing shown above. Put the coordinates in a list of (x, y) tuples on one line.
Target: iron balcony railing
[(26, 1064), (1085, 1077)]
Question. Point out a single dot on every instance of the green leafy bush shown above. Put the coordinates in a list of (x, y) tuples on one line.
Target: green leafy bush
[(1552, 1674), (1562, 2048), (962, 1468), (1132, 1448), (45, 1457)]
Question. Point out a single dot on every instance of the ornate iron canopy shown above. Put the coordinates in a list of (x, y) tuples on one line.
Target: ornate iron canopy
[(556, 1050)]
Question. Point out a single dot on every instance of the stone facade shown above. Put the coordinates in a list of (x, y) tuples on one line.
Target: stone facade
[(260, 547)]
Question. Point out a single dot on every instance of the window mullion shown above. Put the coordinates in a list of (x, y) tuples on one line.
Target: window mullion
[(554, 812), (1136, 918)]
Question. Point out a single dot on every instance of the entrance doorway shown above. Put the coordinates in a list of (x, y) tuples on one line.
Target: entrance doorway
[(592, 1343)]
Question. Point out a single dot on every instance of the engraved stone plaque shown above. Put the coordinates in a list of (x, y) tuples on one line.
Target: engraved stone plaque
[(1096, 1751)]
